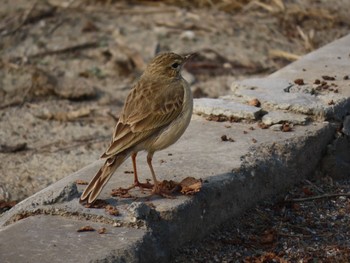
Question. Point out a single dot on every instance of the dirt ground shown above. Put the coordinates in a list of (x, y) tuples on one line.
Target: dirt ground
[(67, 66)]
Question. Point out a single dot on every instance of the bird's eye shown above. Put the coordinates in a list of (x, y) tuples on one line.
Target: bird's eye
[(175, 65)]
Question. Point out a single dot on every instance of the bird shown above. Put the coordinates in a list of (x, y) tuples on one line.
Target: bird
[(156, 113)]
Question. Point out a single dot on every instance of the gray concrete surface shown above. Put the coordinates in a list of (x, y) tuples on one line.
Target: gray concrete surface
[(257, 164)]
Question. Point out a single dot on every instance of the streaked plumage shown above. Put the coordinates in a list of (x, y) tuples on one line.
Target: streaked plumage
[(156, 113)]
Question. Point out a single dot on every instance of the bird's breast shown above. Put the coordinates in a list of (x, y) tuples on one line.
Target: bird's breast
[(177, 127)]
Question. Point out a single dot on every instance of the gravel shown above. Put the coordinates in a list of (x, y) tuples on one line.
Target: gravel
[(311, 224)]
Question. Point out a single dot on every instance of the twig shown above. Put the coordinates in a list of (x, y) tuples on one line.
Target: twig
[(73, 48), (315, 186), (316, 197), (24, 21), (72, 144), (110, 114)]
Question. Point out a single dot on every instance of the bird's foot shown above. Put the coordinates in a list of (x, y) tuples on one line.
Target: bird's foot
[(146, 185), (124, 192)]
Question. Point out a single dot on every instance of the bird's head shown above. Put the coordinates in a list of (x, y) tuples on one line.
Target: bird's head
[(166, 65)]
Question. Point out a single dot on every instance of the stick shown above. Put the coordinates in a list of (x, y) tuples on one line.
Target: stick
[(316, 197), (66, 49), (315, 186), (25, 18)]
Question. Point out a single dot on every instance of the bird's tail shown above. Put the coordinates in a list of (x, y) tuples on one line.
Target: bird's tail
[(97, 183)]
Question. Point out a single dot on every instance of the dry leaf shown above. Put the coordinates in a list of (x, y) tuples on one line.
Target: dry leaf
[(299, 82), (307, 191), (65, 116), (224, 138), (112, 210), (286, 127), (81, 182), (268, 237), (86, 229), (169, 186), (267, 257), (120, 192), (4, 148), (102, 230), (263, 125), (190, 185), (97, 204), (7, 205), (254, 102)]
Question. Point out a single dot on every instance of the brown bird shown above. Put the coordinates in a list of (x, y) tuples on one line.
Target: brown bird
[(156, 113)]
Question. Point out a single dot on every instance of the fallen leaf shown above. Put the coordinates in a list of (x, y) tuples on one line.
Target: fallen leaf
[(299, 82), (81, 182), (86, 229), (5, 148), (286, 127), (65, 116), (331, 102), (112, 210), (254, 102), (328, 77), (89, 27), (224, 138), (169, 186), (262, 125), (120, 192), (7, 205), (102, 230), (190, 185), (97, 204), (268, 237), (265, 258), (307, 191)]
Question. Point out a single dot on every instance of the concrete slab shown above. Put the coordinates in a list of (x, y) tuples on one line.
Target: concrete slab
[(346, 126), (330, 97), (236, 175), (55, 239)]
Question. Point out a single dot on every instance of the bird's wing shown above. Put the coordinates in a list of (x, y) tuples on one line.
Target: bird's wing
[(149, 106)]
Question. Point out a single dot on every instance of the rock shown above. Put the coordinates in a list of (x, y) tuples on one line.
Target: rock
[(75, 89), (68, 193), (188, 35), (140, 210), (227, 108), (275, 117), (276, 127), (275, 93)]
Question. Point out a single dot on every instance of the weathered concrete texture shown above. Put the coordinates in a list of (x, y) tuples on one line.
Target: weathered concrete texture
[(346, 125), (236, 176), (229, 108), (280, 117), (271, 92), (55, 239), (254, 165), (278, 91), (336, 163)]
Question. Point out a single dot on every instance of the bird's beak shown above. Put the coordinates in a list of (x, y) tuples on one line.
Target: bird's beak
[(189, 56)]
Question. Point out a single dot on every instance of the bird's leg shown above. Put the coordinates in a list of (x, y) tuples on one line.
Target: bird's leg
[(124, 191), (157, 189), (136, 179)]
